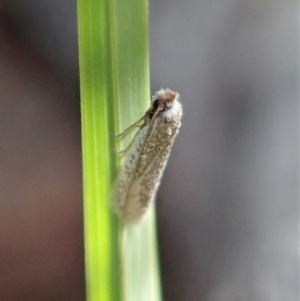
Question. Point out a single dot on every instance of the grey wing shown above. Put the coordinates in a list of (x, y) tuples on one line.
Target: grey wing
[(143, 189)]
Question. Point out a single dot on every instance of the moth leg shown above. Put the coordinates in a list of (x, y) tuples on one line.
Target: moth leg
[(130, 128), (137, 124), (123, 151), (151, 122)]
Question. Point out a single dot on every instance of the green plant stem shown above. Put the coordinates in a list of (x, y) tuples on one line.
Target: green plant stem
[(121, 263)]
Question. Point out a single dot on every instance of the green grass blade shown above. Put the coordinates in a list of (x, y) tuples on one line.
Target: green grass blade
[(100, 228), (114, 81)]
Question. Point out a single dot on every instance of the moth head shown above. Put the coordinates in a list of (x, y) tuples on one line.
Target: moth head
[(165, 100)]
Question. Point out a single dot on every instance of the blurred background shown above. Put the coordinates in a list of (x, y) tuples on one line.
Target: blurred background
[(228, 208)]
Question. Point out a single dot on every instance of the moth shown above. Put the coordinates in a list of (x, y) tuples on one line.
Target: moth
[(146, 157)]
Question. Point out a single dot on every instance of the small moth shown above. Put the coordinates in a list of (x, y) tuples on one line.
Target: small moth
[(146, 157)]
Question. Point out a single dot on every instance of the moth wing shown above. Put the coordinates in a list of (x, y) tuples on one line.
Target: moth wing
[(133, 210), (120, 188), (142, 190)]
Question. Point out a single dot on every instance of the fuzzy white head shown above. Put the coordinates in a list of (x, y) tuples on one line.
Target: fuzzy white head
[(168, 104)]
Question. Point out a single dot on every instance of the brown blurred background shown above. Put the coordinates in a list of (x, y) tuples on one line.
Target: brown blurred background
[(228, 205)]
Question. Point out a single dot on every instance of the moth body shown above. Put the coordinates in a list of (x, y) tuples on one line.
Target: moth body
[(145, 161)]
